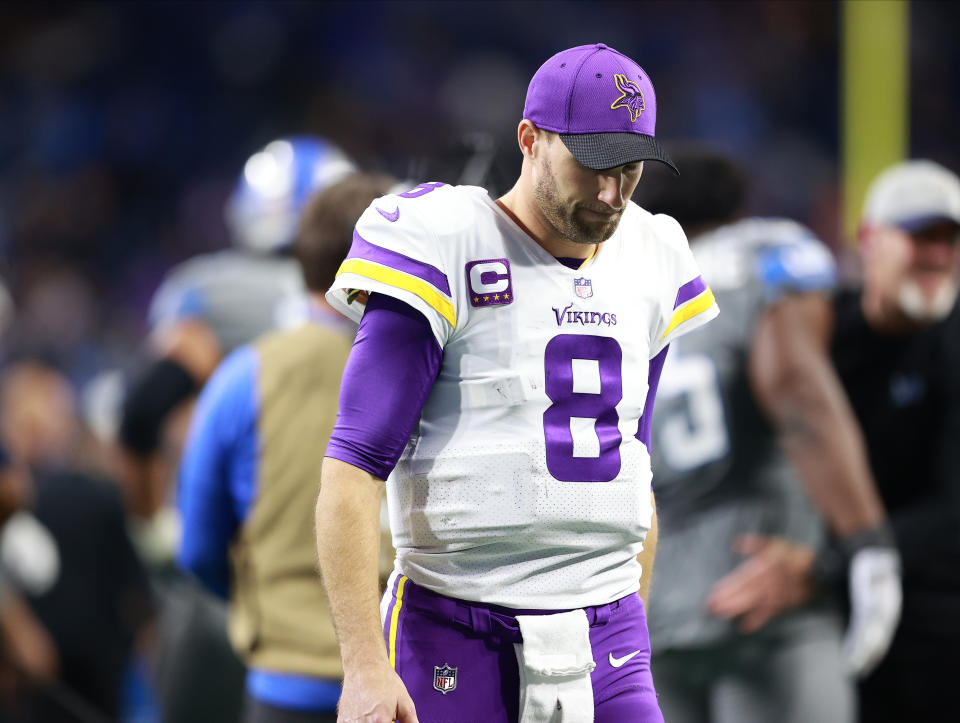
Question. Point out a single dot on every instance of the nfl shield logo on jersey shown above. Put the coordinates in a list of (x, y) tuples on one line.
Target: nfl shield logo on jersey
[(444, 678), (583, 287)]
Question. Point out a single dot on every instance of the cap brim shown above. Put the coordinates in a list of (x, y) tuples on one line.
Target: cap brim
[(600, 151), (915, 224)]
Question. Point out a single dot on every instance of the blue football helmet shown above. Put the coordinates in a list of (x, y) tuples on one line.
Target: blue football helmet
[(263, 212)]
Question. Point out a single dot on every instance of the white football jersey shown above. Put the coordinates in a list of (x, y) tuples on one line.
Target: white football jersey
[(525, 484)]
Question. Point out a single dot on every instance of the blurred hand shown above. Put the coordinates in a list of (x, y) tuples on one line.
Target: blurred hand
[(29, 647), (876, 598), (375, 695), (774, 578)]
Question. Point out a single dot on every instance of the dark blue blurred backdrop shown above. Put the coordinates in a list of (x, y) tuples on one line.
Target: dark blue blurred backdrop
[(124, 126)]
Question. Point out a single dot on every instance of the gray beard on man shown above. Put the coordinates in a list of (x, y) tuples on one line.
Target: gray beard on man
[(924, 309)]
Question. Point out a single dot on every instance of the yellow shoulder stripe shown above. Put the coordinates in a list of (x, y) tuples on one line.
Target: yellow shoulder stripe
[(689, 310), (391, 277)]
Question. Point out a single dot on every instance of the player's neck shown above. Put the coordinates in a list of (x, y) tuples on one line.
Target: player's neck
[(519, 207)]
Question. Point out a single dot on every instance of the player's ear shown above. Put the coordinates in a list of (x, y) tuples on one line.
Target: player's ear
[(527, 135)]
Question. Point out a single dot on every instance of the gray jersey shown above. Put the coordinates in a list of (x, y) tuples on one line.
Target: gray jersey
[(717, 469), (239, 295)]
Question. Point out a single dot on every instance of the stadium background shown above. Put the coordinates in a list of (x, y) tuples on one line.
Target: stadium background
[(124, 126)]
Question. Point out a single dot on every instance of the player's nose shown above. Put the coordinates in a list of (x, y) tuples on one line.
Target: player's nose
[(611, 188)]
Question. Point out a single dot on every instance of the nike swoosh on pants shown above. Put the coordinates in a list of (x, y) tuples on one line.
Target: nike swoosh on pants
[(617, 662)]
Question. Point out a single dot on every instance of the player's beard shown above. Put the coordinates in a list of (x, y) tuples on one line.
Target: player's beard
[(923, 308), (563, 217)]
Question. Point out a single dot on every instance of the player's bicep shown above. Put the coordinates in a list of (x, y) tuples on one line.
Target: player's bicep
[(391, 369), (395, 253), (790, 346)]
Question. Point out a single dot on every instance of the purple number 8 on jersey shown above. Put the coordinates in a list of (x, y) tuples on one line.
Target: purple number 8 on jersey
[(422, 190), (558, 359)]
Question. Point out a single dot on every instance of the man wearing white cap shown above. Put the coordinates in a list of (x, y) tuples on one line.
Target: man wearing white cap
[(896, 346), (909, 244)]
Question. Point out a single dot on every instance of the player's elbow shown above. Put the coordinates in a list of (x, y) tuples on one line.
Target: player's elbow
[(349, 498)]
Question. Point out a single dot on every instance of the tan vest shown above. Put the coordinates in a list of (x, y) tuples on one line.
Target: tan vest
[(279, 617)]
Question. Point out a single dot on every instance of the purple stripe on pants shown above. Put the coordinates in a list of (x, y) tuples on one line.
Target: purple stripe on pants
[(458, 661), (388, 618)]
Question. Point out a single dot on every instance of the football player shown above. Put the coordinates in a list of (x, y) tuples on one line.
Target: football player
[(503, 377), (751, 414)]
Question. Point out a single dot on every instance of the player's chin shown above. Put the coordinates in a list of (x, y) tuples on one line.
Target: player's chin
[(597, 227)]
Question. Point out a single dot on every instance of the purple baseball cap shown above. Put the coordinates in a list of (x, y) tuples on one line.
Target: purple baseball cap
[(601, 104)]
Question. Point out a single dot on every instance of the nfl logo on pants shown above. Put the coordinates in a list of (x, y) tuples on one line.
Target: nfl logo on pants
[(444, 678)]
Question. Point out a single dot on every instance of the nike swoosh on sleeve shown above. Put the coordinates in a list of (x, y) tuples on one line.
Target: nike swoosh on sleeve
[(389, 215)]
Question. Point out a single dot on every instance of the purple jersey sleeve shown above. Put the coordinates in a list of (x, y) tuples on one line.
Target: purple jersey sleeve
[(391, 369), (653, 380)]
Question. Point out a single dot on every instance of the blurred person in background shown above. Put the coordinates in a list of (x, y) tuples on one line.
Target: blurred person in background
[(750, 412), (71, 558), (211, 304), (28, 654), (896, 346), (251, 472), (204, 309)]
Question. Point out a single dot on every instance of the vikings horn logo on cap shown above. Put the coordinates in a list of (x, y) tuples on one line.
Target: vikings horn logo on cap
[(631, 97), (578, 94)]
